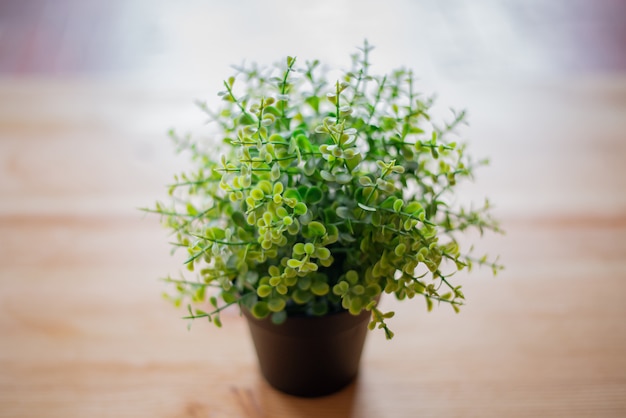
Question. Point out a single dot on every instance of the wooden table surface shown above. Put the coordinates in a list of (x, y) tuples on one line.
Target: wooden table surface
[(84, 331)]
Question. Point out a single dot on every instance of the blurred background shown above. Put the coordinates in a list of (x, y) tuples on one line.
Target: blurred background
[(88, 90), (172, 41), (162, 55)]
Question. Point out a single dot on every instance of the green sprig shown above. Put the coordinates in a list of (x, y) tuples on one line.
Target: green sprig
[(328, 194)]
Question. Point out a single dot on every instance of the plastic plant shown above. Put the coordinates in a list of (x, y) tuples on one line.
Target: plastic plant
[(327, 195)]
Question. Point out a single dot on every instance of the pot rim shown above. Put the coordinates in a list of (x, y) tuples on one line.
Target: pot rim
[(309, 326)]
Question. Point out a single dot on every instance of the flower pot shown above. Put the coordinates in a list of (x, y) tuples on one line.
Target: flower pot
[(309, 356)]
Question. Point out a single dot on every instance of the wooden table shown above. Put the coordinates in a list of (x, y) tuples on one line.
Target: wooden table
[(84, 108), (85, 333)]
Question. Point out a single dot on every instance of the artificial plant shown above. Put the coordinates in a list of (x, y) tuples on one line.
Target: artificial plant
[(325, 196)]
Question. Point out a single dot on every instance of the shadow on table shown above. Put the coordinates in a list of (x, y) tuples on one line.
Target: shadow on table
[(265, 401)]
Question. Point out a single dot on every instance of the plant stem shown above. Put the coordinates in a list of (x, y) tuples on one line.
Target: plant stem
[(284, 88), (232, 95)]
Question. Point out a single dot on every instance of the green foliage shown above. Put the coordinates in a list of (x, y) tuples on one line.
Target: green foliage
[(328, 195)]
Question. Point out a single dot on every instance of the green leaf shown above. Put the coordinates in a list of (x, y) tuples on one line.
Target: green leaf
[(343, 178), (302, 190), (257, 194), (265, 186), (412, 207), (274, 280), (356, 305), (365, 181), (264, 291), (353, 162), (276, 138), (316, 228), (341, 288), (319, 309), (217, 233), (272, 110), (191, 210), (326, 175), (352, 277), (275, 172), (367, 208), (314, 102), (293, 263), (322, 253), (304, 143), (429, 304), (293, 194), (293, 228), (239, 219), (304, 283), (300, 209), (310, 167), (278, 188), (247, 119), (279, 317), (389, 202), (276, 304), (260, 310), (320, 288), (344, 212), (301, 296), (313, 195), (298, 249), (229, 297)]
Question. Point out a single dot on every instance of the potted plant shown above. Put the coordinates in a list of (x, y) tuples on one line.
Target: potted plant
[(324, 196)]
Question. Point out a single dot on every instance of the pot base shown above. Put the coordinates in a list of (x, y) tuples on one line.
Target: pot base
[(310, 356)]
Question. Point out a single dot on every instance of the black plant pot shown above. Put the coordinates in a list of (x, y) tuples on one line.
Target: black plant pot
[(310, 356)]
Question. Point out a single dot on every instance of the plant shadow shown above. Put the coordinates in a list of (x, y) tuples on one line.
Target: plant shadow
[(265, 401)]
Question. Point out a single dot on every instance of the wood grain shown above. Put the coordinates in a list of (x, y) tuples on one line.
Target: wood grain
[(85, 333)]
